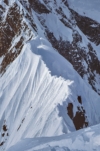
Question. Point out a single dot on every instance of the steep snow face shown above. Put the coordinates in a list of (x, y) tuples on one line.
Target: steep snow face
[(29, 96), (76, 37), (34, 102), (41, 94), (87, 140)]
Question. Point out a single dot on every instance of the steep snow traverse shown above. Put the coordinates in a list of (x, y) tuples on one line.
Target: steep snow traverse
[(83, 140), (49, 75)]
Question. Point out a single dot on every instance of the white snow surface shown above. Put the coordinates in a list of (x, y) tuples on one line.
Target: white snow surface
[(34, 93), (89, 8), (37, 87), (82, 140)]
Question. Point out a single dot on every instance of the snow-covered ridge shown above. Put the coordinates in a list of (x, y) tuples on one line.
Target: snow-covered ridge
[(34, 103), (82, 140), (41, 93), (29, 96), (55, 21), (72, 35)]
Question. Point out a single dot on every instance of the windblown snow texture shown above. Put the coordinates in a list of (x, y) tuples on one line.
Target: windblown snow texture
[(49, 75)]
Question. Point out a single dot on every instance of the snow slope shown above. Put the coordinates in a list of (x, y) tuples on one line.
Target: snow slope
[(42, 95), (82, 140), (34, 102), (89, 8), (73, 35), (29, 96)]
